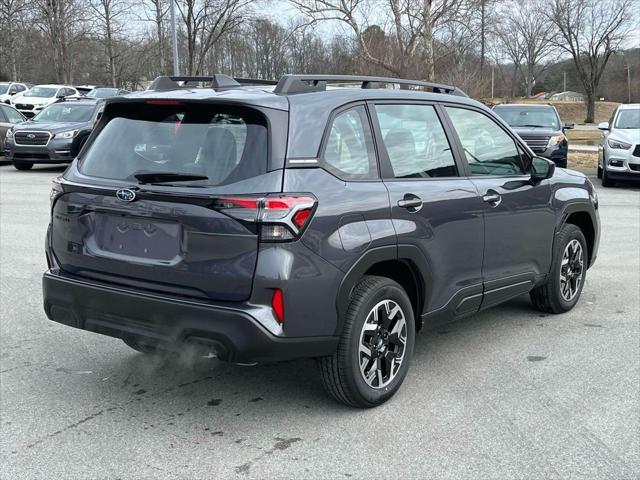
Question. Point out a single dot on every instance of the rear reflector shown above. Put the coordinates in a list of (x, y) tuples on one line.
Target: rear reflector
[(277, 304)]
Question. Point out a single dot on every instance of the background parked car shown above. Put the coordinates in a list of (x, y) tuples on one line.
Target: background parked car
[(9, 89), (106, 92), (9, 116), (539, 126), (55, 135), (84, 89), (619, 148), (40, 96)]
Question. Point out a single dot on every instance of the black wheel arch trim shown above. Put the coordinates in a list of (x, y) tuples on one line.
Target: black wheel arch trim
[(409, 253), (581, 207)]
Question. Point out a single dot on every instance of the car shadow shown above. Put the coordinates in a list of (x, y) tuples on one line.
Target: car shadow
[(184, 382)]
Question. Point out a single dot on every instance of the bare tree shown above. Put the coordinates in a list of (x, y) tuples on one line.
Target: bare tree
[(64, 26), (10, 12), (108, 15), (205, 22), (509, 46), (591, 31), (413, 23), (536, 33), (156, 12)]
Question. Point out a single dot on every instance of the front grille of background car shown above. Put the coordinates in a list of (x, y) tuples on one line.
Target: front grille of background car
[(24, 106), (636, 151), (635, 167), (31, 138), (537, 144)]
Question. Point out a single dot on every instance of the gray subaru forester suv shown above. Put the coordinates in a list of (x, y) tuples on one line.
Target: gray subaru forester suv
[(263, 221)]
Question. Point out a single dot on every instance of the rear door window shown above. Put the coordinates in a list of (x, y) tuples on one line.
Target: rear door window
[(223, 144), (415, 141)]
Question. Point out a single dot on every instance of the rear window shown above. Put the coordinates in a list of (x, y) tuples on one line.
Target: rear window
[(225, 144)]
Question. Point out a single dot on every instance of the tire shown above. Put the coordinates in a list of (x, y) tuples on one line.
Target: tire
[(341, 373), (599, 172), (551, 297), (20, 165), (606, 181), (142, 347)]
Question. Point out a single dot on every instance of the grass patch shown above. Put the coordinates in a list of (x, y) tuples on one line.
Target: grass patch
[(583, 137), (582, 160)]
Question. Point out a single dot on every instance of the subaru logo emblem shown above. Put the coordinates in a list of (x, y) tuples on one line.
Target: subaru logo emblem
[(31, 135), (126, 195)]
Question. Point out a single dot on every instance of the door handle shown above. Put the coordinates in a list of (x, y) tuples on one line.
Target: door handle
[(493, 198), (411, 202)]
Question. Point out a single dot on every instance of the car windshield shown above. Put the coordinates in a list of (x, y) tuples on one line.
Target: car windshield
[(102, 92), (41, 92), (529, 117), (220, 145), (65, 112), (628, 118), (3, 88)]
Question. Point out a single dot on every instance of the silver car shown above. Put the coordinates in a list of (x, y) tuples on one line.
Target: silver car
[(619, 149)]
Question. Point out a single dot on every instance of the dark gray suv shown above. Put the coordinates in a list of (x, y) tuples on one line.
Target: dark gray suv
[(264, 221), (539, 126)]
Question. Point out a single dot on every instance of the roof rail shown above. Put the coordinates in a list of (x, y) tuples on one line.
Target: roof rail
[(292, 83), (217, 82)]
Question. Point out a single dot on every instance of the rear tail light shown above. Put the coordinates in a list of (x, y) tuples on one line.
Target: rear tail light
[(56, 190), (281, 218)]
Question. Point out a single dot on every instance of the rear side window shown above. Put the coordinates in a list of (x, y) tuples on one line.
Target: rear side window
[(489, 150), (224, 144), (415, 141), (349, 151)]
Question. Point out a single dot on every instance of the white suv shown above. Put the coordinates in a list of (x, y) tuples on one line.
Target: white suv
[(40, 96), (619, 149), (9, 89)]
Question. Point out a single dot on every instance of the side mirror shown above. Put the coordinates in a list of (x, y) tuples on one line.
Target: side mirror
[(569, 126), (541, 169), (603, 126)]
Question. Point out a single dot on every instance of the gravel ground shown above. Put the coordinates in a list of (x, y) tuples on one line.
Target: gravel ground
[(508, 393)]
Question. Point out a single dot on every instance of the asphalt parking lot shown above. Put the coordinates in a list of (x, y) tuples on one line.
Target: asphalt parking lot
[(509, 393)]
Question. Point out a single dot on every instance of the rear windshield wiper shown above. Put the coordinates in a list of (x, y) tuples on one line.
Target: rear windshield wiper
[(163, 177)]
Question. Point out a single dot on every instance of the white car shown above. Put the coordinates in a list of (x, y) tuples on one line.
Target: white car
[(10, 89), (619, 149), (36, 98)]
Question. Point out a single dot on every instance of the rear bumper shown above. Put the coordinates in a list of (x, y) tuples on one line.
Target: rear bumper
[(234, 334)]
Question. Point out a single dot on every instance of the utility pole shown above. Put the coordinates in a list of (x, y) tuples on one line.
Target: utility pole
[(564, 88), (628, 67), (174, 38)]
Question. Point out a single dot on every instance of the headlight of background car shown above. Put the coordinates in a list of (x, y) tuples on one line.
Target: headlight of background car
[(619, 145), (557, 139), (67, 134), (9, 133)]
